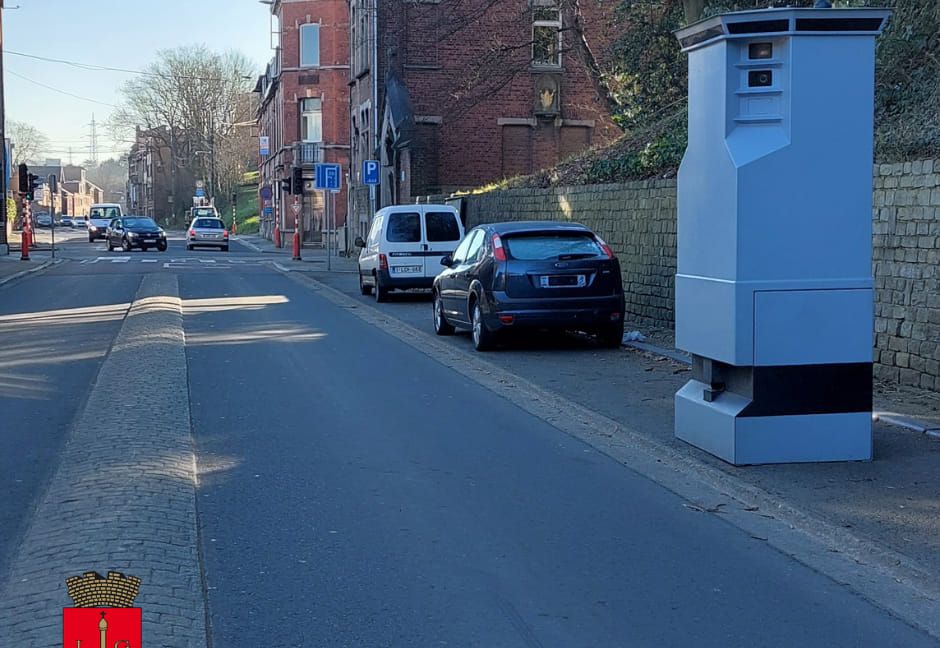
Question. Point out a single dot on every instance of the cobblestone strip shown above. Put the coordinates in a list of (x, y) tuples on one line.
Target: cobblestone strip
[(123, 497)]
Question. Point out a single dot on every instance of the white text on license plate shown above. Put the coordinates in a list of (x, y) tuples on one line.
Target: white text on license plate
[(406, 269)]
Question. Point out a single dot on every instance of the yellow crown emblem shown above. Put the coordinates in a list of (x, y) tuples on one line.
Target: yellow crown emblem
[(93, 590)]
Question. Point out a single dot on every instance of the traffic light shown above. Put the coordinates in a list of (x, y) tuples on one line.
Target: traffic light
[(34, 183), (297, 186), (286, 185), (22, 173)]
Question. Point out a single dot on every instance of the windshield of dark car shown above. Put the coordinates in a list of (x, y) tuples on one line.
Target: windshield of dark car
[(543, 246), (208, 223), (140, 222)]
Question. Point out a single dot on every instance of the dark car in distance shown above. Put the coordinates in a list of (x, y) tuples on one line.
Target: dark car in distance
[(530, 274), (131, 232)]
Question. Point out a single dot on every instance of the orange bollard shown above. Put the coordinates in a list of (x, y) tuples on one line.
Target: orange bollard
[(296, 245), (24, 246), (277, 236)]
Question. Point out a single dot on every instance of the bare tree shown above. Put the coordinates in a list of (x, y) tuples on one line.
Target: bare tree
[(189, 100), (29, 144)]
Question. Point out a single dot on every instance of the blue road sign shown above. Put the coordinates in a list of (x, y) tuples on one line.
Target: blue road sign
[(200, 192), (370, 172), (328, 177)]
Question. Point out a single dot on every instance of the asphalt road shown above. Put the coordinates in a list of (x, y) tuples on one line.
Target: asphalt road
[(355, 492)]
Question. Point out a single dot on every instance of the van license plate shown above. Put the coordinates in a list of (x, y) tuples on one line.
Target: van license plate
[(406, 269), (562, 281)]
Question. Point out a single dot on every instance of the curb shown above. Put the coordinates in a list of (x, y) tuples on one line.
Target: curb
[(888, 579), (23, 273)]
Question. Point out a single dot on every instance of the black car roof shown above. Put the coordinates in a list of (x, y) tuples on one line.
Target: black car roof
[(515, 227)]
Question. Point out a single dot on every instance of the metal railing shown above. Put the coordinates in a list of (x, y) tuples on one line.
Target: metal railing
[(307, 153)]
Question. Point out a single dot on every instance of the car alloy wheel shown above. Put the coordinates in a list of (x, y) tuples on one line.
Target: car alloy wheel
[(482, 336), (441, 325), (126, 245)]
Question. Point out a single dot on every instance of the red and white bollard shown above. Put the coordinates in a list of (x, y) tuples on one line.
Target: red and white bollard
[(296, 240)]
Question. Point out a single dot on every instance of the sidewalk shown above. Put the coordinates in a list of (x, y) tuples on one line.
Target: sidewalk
[(12, 268), (314, 259), (891, 502)]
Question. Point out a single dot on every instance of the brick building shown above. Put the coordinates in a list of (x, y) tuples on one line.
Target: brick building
[(450, 96), (304, 110)]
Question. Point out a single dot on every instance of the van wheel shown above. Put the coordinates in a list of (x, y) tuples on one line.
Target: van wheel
[(441, 325), (381, 292), (483, 338), (364, 289)]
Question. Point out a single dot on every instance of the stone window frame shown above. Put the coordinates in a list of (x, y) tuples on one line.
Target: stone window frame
[(540, 22), (303, 113), (300, 37)]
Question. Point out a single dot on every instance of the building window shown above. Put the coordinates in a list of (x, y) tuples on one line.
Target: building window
[(311, 120), (546, 36), (310, 45)]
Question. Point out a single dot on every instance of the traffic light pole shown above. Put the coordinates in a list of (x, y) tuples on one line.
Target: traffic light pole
[(4, 243)]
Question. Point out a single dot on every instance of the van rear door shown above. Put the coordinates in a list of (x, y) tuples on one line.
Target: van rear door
[(442, 234), (403, 245)]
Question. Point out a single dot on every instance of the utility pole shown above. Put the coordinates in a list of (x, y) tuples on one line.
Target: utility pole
[(93, 149), (4, 244)]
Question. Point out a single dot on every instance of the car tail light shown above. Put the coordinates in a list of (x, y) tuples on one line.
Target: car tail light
[(605, 248), (498, 252), (506, 319), (192, 233), (225, 234), (383, 262)]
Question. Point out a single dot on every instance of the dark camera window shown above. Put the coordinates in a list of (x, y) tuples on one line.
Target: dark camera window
[(760, 78), (760, 50), (404, 228), (442, 226)]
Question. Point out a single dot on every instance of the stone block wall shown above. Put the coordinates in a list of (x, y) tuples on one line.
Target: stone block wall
[(906, 249), (638, 220)]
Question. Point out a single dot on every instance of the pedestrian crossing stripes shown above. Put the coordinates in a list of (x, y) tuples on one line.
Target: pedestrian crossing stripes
[(186, 262)]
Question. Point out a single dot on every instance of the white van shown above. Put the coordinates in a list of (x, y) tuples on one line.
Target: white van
[(99, 217), (405, 246)]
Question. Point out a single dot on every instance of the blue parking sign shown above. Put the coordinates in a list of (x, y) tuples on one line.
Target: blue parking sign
[(328, 177), (370, 172)]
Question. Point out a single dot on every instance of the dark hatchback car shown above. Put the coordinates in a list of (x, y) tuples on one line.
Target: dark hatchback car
[(132, 232), (530, 274)]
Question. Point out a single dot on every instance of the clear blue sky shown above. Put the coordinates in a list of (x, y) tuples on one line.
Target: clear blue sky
[(117, 33)]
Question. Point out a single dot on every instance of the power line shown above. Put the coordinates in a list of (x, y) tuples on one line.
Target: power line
[(49, 87), (105, 68)]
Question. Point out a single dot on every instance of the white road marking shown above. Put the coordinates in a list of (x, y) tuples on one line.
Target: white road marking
[(148, 261)]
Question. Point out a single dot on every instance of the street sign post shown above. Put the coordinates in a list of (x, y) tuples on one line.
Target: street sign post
[(370, 172), (265, 145)]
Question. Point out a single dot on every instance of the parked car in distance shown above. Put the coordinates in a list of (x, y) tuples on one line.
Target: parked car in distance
[(405, 246), (530, 274), (100, 216), (207, 232), (80, 221), (43, 219), (131, 232), (67, 221)]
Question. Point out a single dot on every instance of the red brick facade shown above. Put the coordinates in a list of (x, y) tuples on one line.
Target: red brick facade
[(287, 82), (475, 92)]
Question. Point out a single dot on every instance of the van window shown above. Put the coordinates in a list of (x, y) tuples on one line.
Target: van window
[(101, 213), (442, 226), (374, 232), (404, 227)]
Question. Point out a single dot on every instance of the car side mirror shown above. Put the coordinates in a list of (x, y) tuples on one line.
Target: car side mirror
[(447, 261), (359, 242)]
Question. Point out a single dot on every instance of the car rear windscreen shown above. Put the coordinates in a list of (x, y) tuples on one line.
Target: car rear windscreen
[(208, 223), (404, 228), (442, 226), (546, 246)]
